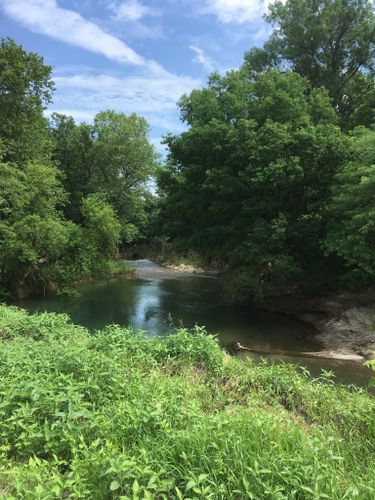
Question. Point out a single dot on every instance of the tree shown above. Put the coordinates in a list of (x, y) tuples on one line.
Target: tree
[(25, 90), (124, 161), (105, 169), (40, 249), (102, 227), (73, 146), (249, 182), (112, 157), (351, 229), (330, 42), (33, 236)]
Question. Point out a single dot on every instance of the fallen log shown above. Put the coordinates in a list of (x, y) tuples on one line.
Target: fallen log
[(318, 354)]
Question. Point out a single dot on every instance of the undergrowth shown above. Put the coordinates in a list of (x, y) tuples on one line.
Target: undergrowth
[(116, 415), (119, 268)]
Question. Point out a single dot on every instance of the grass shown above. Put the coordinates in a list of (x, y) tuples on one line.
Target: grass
[(119, 268), (116, 415), (114, 268)]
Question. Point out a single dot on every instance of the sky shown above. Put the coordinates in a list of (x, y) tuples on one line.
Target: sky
[(133, 56)]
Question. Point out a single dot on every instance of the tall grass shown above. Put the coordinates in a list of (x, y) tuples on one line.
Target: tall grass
[(115, 415)]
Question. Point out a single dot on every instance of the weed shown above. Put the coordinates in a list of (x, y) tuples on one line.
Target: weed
[(116, 415)]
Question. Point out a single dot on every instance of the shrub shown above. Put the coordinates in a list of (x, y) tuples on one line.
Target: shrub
[(114, 414)]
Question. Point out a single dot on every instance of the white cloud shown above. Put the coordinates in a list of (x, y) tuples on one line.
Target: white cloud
[(132, 13), (78, 115), (236, 11), (153, 97), (202, 58), (132, 10), (47, 18)]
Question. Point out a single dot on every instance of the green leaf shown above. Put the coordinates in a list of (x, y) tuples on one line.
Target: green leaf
[(115, 485), (190, 484), (135, 487)]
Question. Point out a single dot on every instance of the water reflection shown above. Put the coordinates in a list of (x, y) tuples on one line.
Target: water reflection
[(164, 299)]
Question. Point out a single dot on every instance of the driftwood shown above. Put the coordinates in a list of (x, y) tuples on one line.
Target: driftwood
[(321, 354), (241, 347)]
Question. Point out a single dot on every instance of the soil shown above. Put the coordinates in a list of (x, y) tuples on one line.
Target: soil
[(345, 322)]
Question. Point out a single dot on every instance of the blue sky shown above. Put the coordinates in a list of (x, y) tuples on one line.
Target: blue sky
[(133, 55)]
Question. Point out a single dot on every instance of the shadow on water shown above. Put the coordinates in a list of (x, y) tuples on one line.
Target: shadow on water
[(159, 300)]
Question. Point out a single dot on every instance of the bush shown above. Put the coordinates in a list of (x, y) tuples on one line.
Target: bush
[(114, 414)]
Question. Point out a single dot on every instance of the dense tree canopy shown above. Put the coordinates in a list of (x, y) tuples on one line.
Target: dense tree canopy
[(330, 42), (68, 193), (266, 179), (25, 90), (113, 157), (72, 150), (251, 179), (351, 230)]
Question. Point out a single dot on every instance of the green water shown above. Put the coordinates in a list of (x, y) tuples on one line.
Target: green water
[(159, 300)]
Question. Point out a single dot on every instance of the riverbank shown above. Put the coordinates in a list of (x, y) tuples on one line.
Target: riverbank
[(117, 268), (115, 414), (166, 255), (345, 322)]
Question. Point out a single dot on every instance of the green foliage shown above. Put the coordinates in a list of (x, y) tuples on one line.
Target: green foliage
[(101, 226), (34, 238), (40, 250), (63, 188), (73, 152), (330, 42), (114, 414), (351, 230), (249, 182), (124, 161), (119, 268), (25, 90), (112, 157), (371, 364)]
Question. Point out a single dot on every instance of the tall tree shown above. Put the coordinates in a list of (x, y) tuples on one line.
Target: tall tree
[(124, 161), (38, 246), (249, 182), (113, 157), (331, 42), (25, 90), (73, 146)]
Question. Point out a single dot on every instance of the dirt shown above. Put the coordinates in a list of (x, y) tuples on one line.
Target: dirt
[(345, 323)]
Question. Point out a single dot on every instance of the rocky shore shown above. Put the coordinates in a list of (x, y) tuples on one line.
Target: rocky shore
[(345, 322)]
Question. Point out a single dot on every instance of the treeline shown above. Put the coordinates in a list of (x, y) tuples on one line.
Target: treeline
[(275, 175), (70, 195)]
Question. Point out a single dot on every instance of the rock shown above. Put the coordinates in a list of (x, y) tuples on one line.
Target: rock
[(345, 322)]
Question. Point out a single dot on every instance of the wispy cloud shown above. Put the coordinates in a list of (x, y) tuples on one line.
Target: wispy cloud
[(47, 18), (236, 11), (133, 14), (153, 97), (202, 58), (132, 10)]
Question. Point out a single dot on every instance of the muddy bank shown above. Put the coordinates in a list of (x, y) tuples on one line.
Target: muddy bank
[(345, 322), (147, 269), (240, 349), (190, 269), (166, 256)]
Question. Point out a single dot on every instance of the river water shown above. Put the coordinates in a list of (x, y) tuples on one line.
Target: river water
[(158, 300)]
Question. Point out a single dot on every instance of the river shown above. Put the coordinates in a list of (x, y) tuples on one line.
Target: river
[(158, 300)]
